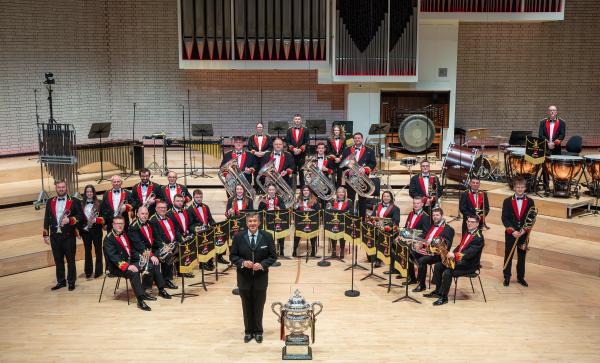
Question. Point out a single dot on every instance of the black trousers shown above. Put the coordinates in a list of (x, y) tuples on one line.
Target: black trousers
[(313, 245), (93, 238), (521, 254), (155, 276), (253, 304), (442, 277), (334, 244), (281, 246), (413, 256), (167, 271), (133, 277), (423, 262), (63, 247)]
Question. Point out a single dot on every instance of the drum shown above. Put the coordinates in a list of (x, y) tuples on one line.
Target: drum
[(458, 163), (416, 133), (564, 171), (518, 165), (592, 166)]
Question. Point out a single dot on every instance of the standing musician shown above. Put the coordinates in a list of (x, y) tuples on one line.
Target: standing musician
[(259, 144), (170, 190), (324, 164), (417, 219), (91, 231), (335, 147), (145, 192), (439, 229), (514, 212), (115, 202), (306, 201), (181, 220), (386, 209), (298, 139), (124, 260), (284, 162), (253, 252), (141, 237), (340, 204), (474, 201), (200, 219), (62, 215), (365, 158), (467, 257), (552, 129), (246, 160), (164, 232), (271, 202), (426, 185), (238, 203)]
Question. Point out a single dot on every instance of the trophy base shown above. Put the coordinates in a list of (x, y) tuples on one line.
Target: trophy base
[(296, 352)]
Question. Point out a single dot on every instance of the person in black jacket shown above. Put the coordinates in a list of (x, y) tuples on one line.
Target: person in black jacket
[(200, 216), (91, 231), (246, 160), (514, 212), (365, 159), (164, 231), (386, 209), (253, 252), (169, 191), (297, 139), (427, 185), (335, 146), (306, 201), (552, 129), (62, 215), (340, 204), (270, 202), (474, 201), (417, 219), (238, 203), (284, 161), (116, 202), (145, 192), (467, 257)]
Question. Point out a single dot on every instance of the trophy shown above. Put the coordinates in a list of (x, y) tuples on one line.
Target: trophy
[(297, 316)]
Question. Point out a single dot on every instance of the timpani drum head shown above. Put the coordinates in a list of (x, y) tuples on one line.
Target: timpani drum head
[(416, 133)]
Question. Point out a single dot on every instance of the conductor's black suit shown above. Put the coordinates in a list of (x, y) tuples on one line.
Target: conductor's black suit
[(253, 284)]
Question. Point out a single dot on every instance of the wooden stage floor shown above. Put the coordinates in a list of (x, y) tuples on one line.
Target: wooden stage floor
[(555, 319)]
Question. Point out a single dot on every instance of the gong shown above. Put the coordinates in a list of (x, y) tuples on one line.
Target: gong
[(416, 133)]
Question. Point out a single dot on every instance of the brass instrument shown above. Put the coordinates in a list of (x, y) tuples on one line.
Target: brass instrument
[(91, 219), (167, 253), (148, 197), (360, 182), (318, 182), (118, 212), (235, 176), (411, 238), (432, 188), (271, 175), (481, 213), (144, 263), (439, 246), (64, 214), (529, 222)]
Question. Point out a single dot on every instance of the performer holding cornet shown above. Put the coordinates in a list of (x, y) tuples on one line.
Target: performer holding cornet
[(164, 231), (116, 202), (426, 185), (474, 201), (358, 161), (146, 192)]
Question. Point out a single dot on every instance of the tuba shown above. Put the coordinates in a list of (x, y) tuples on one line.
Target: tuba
[(439, 246), (231, 175), (318, 182), (271, 175), (360, 182)]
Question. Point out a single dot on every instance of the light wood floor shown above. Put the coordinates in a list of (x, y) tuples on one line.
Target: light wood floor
[(555, 319)]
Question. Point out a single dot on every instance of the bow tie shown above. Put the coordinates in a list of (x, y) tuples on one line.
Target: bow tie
[(145, 185), (178, 211), (417, 211), (357, 148), (439, 225), (385, 205), (173, 186), (271, 198), (336, 138), (60, 199), (520, 198), (305, 199), (425, 175), (90, 202), (277, 154), (340, 201), (238, 198), (197, 205), (116, 191), (297, 128), (320, 158), (143, 224), (162, 218)]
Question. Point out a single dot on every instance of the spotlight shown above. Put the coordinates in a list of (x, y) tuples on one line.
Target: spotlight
[(49, 78)]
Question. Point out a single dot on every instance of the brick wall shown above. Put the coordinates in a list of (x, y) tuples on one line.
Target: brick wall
[(509, 73), (108, 54)]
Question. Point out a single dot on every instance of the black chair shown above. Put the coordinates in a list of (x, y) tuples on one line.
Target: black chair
[(471, 276), (108, 274), (574, 146)]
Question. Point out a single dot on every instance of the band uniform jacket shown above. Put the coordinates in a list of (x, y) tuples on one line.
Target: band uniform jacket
[(167, 195), (254, 145), (118, 255), (247, 160), (143, 240), (342, 206), (73, 205), (466, 205), (336, 148), (264, 253), (300, 142), (288, 164), (183, 227), (468, 252), (366, 157), (513, 221), (247, 204), (197, 219), (160, 233), (392, 212), (137, 199), (422, 222), (98, 223), (264, 204), (106, 208), (417, 187), (447, 234), (560, 129)]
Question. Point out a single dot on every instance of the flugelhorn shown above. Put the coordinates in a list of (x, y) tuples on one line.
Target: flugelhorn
[(231, 175), (318, 182), (144, 262), (271, 175), (357, 180), (91, 219), (64, 214)]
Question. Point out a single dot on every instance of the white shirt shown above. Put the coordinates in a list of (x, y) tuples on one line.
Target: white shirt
[(124, 241), (297, 132), (201, 212), (60, 208), (320, 161), (145, 227), (260, 140), (414, 218), (337, 143), (382, 211), (240, 204), (172, 192), (432, 234), (552, 124), (116, 200), (271, 203), (519, 204), (238, 154), (169, 230), (305, 203), (88, 210), (277, 160), (144, 190), (255, 237), (182, 219), (357, 149), (426, 183)]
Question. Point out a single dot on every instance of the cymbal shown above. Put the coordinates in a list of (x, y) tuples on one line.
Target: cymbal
[(498, 137)]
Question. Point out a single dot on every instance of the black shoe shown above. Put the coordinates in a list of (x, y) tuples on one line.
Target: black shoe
[(170, 285), (188, 275), (148, 297), (440, 301), (222, 261), (420, 288), (60, 285), (523, 282), (333, 255), (248, 337), (341, 256), (72, 287), (236, 291), (164, 294), (88, 276), (377, 264), (142, 305), (259, 338), (294, 254), (394, 272), (97, 275), (433, 295), (506, 281)]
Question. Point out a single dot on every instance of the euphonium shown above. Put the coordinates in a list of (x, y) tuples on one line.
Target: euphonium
[(318, 182), (231, 175), (439, 246), (271, 175), (144, 262), (360, 182)]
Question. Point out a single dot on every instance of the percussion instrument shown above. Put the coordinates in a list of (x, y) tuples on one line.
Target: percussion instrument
[(459, 163), (416, 133), (564, 171), (408, 161), (592, 166), (517, 165)]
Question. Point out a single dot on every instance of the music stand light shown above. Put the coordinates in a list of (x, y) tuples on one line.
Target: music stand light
[(100, 130), (202, 130)]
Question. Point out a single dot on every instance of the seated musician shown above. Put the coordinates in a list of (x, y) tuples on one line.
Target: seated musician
[(427, 185), (116, 202), (91, 231), (342, 204), (284, 162), (238, 203), (474, 201), (181, 219), (145, 192), (271, 202), (173, 188), (297, 139), (335, 146), (386, 209), (365, 159), (467, 256), (165, 232), (141, 237), (201, 219), (419, 220), (123, 261), (246, 161), (439, 229), (306, 201)]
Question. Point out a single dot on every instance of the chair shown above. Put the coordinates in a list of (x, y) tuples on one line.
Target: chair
[(106, 275), (574, 146), (471, 276)]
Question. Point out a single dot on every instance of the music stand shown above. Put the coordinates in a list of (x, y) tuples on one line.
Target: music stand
[(379, 129), (519, 137), (277, 127), (100, 130), (316, 127), (202, 130)]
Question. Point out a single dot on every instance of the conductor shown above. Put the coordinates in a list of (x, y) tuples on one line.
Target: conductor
[(253, 252)]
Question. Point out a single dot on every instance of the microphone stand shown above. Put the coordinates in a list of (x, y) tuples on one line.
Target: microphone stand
[(406, 296), (323, 262), (43, 195), (373, 259), (352, 292), (127, 175)]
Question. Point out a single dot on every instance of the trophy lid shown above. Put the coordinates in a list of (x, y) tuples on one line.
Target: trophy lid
[(296, 302)]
